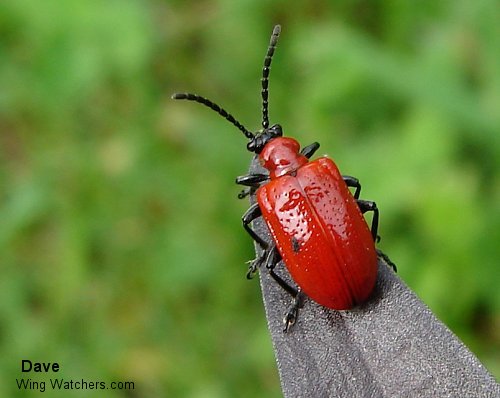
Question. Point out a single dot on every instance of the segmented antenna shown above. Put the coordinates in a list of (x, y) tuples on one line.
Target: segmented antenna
[(265, 75), (216, 108)]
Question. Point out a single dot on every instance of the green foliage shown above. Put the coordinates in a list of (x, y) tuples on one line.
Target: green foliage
[(122, 250)]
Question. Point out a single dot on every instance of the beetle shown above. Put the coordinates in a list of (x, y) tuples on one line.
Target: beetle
[(315, 222)]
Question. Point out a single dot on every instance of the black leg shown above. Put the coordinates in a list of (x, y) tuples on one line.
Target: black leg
[(251, 214), (309, 150), (255, 264), (270, 256), (293, 312), (366, 205), (252, 181), (386, 258), (273, 258), (353, 182)]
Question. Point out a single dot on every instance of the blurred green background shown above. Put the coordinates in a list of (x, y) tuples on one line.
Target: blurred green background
[(122, 253)]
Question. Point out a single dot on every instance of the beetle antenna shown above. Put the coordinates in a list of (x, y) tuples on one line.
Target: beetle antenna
[(265, 75), (216, 108)]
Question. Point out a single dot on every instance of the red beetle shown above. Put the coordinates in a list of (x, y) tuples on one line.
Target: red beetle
[(317, 225)]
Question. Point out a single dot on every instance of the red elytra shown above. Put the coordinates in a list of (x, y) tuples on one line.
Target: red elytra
[(317, 225)]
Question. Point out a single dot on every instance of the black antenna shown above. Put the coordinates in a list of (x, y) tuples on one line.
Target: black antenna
[(265, 75), (216, 108)]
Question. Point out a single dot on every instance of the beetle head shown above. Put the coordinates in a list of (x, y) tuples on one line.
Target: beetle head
[(258, 142)]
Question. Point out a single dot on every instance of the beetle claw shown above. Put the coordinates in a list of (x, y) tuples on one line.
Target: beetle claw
[(244, 193), (293, 313), (290, 319), (252, 268)]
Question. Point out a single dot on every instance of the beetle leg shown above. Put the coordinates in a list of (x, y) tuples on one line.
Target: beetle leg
[(386, 258), (251, 214), (273, 258), (367, 205), (354, 183), (293, 312), (252, 181), (309, 150), (254, 265)]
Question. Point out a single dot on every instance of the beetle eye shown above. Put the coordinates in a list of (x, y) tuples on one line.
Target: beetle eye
[(277, 130)]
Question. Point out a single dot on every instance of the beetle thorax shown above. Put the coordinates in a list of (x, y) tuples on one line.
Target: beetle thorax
[(281, 156)]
